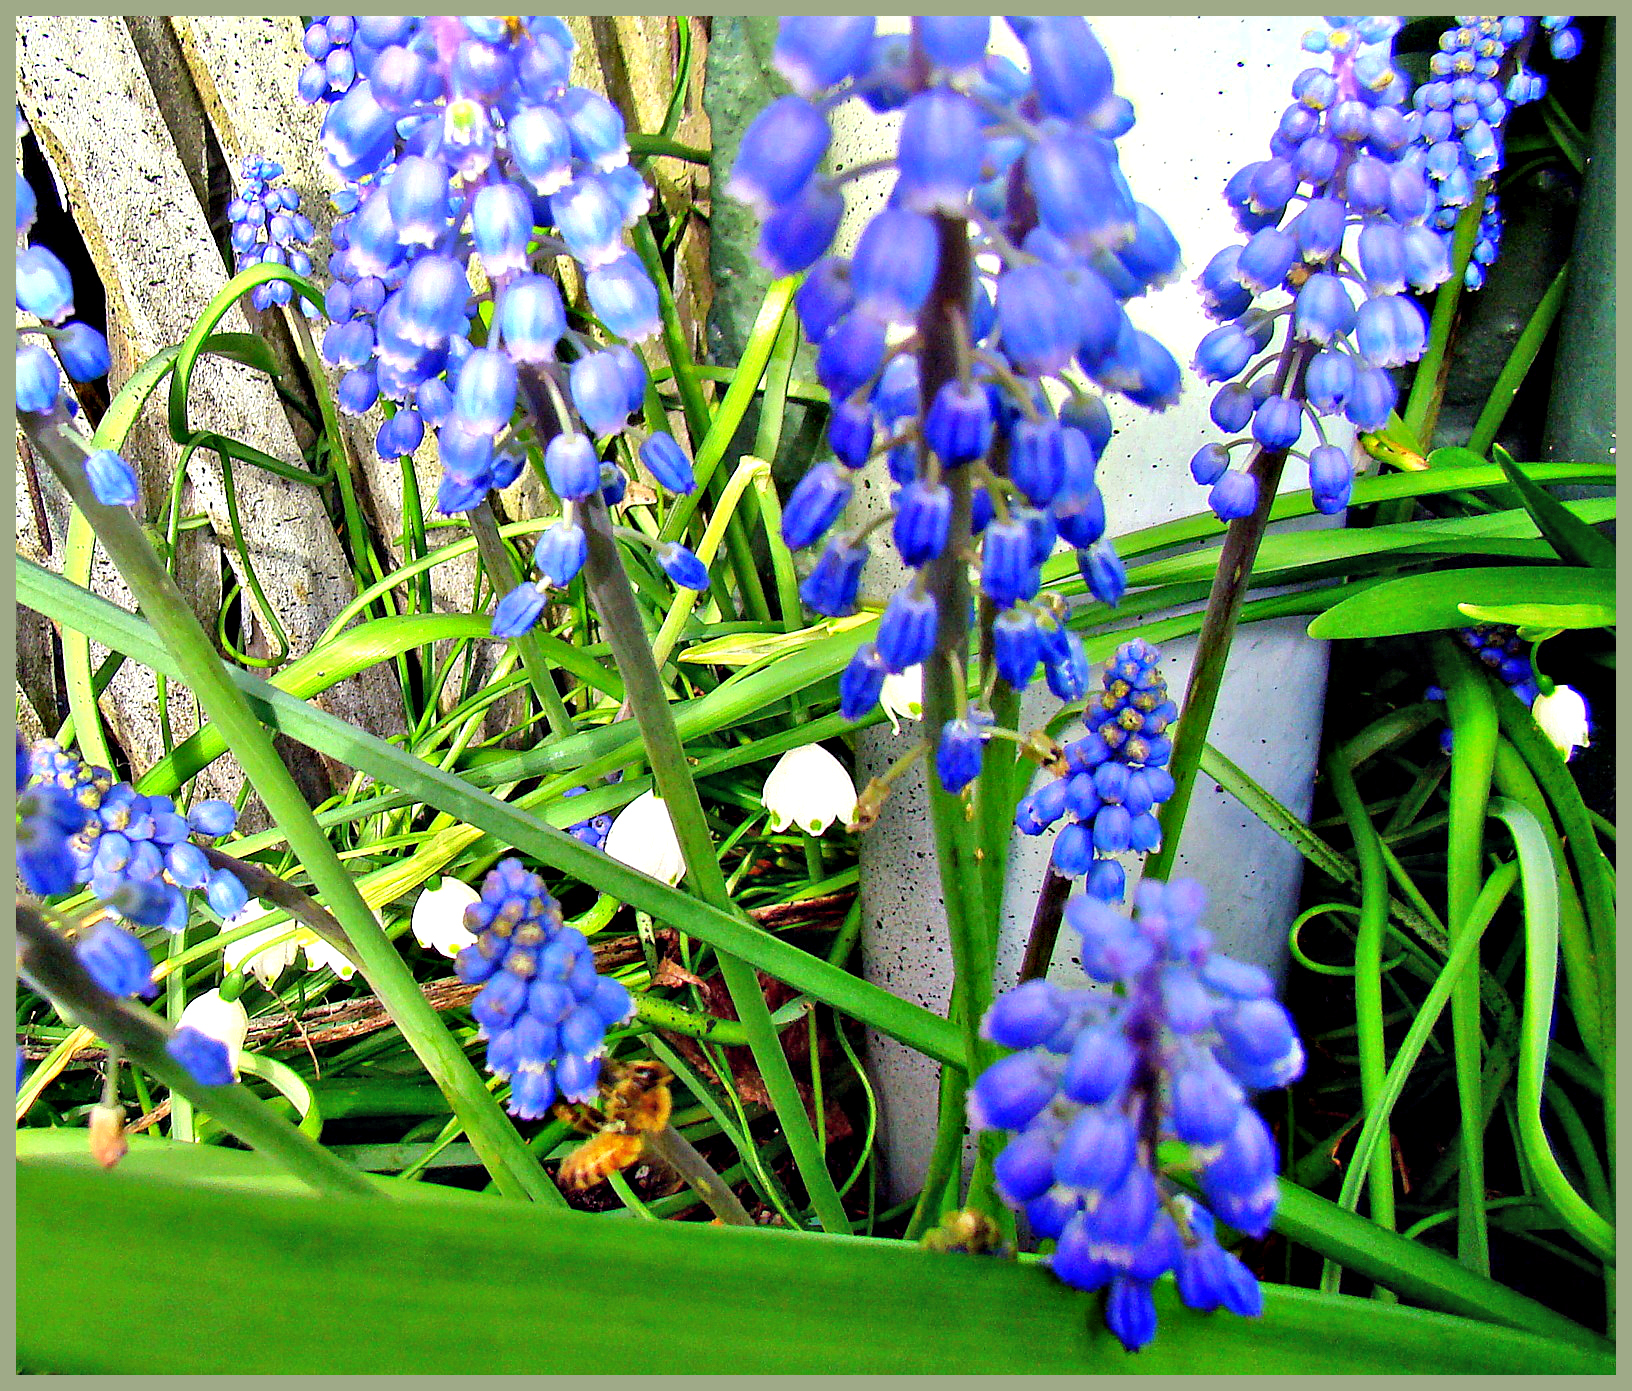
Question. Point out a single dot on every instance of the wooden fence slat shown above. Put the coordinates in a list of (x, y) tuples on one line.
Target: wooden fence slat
[(84, 88)]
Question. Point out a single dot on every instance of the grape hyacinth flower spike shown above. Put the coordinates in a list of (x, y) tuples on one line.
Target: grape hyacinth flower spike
[(1337, 218), (1004, 263), (1114, 778), (267, 227), (1478, 75), (1100, 1080), (465, 146), (138, 856), (45, 291), (542, 1008)]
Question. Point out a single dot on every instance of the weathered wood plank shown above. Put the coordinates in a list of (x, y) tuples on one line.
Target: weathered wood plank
[(84, 88)]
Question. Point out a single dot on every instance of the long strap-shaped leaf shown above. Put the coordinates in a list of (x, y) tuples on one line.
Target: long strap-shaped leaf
[(191, 658), (352, 1286), (109, 625)]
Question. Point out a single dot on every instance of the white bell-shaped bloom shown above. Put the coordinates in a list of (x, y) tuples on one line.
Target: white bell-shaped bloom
[(266, 958), (320, 953), (266, 962), (903, 695), (1563, 719), (225, 1020), (810, 789), (439, 917), (643, 837)]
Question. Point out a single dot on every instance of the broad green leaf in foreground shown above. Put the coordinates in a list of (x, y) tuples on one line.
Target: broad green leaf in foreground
[(282, 1284)]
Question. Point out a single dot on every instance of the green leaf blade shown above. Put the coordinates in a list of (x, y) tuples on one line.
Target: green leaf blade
[(1430, 602)]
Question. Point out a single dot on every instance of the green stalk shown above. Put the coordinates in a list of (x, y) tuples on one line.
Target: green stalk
[(944, 1155), (1229, 593), (1514, 780), (744, 384), (699, 418), (749, 472), (692, 401), (1368, 980), (164, 606), (996, 793), (84, 711), (956, 848), (661, 145), (502, 575), (1473, 756), (343, 466), (1518, 364), (51, 965), (670, 1147), (773, 406), (1592, 869), (1594, 1231), (342, 463), (175, 1000), (614, 600), (1421, 411), (1374, 1132)]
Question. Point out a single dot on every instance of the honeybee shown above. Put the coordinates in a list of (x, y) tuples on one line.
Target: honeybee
[(635, 1103)]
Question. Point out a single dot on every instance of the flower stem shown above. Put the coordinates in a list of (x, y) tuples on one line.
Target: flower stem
[(1473, 758), (51, 966), (947, 578), (1368, 975), (1229, 593), (162, 603), (1421, 411), (502, 575), (644, 693), (1045, 925), (670, 1147), (1518, 364)]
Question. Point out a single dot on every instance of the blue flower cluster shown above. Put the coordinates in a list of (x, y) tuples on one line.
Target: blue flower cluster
[(1023, 169), (268, 226), (1345, 199), (542, 1007), (1463, 108), (69, 817), (1116, 776), (49, 815), (333, 67), (74, 825), (135, 852), (462, 138), (591, 830), (1500, 649), (46, 291), (1103, 1079)]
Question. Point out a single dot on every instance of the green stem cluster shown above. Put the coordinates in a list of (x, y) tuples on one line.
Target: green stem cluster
[(492, 1135), (644, 693), (1228, 594), (51, 966)]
